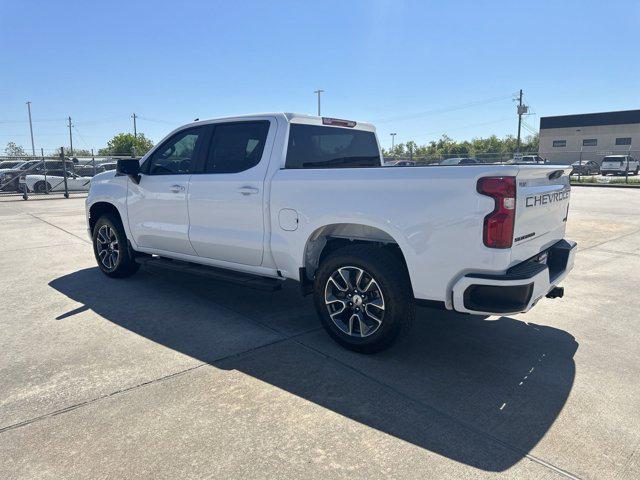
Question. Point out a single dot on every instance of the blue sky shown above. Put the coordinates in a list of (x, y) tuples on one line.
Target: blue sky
[(417, 68)]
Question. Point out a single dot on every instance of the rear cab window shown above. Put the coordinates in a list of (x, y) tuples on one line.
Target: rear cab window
[(236, 147), (315, 146), (619, 160)]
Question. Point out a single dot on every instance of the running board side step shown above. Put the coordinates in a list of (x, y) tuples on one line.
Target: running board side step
[(244, 279)]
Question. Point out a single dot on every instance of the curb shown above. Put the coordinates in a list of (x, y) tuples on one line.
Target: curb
[(605, 185)]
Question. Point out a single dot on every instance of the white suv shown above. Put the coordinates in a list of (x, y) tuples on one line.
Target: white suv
[(619, 165)]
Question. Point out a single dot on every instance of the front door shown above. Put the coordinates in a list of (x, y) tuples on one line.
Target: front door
[(157, 206), (226, 195)]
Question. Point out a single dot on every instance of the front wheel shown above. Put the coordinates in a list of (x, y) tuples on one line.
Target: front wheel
[(41, 187), (363, 296), (110, 248)]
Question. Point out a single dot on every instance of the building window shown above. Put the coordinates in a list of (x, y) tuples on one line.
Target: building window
[(559, 143), (590, 142), (623, 141)]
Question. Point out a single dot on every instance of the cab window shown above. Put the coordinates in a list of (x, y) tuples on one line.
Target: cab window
[(236, 147), (176, 156)]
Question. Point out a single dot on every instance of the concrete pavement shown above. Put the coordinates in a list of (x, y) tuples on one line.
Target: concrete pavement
[(164, 375)]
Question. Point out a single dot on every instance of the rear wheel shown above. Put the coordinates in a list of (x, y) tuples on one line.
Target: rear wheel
[(110, 248), (41, 187), (363, 297)]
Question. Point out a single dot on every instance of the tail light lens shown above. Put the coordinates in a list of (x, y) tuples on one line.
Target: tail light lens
[(498, 225)]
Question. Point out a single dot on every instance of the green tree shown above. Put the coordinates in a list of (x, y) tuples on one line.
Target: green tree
[(14, 150), (489, 148), (123, 144)]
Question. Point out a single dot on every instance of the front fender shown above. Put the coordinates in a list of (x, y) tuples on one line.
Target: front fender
[(109, 188)]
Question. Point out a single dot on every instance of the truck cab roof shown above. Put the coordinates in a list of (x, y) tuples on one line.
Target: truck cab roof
[(291, 117)]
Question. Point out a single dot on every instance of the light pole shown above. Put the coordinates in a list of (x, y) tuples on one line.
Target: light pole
[(33, 148), (318, 92), (393, 138), (580, 160), (70, 137)]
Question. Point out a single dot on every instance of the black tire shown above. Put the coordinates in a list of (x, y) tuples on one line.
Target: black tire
[(392, 284), (41, 187), (109, 227)]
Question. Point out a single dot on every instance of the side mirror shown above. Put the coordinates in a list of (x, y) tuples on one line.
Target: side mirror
[(129, 167)]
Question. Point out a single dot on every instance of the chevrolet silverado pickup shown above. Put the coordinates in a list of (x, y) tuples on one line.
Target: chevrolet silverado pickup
[(263, 198)]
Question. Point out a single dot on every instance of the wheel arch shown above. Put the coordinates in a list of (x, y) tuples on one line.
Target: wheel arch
[(100, 208), (328, 238)]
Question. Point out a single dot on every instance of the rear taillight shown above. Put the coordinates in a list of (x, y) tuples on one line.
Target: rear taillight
[(498, 225)]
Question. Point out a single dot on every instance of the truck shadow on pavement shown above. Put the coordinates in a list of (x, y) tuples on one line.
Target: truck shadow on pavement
[(479, 391)]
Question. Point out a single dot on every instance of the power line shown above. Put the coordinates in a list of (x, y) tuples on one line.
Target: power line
[(529, 127), (441, 132), (443, 110), (81, 137), (34, 121), (156, 120)]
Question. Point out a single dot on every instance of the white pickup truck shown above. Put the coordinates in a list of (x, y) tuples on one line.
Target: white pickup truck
[(263, 198)]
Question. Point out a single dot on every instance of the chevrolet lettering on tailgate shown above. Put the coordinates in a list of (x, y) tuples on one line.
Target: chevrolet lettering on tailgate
[(546, 198)]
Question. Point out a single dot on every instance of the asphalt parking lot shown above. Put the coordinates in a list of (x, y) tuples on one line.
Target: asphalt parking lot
[(168, 376)]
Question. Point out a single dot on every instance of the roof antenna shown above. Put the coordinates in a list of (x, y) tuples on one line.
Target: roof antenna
[(196, 119)]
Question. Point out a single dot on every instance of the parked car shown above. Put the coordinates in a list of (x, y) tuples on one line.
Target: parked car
[(527, 159), (9, 177), (89, 170), (54, 181), (286, 196), (589, 167), (401, 163), (459, 161), (10, 165), (109, 165), (619, 165)]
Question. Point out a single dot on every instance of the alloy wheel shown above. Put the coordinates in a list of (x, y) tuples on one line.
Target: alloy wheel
[(355, 301), (107, 247)]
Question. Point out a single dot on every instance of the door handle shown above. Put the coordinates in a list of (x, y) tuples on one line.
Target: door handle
[(248, 190), (176, 188)]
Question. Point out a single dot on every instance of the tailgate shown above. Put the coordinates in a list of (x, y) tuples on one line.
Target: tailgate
[(542, 205)]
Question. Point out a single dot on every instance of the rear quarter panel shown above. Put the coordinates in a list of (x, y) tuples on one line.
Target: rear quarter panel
[(434, 214)]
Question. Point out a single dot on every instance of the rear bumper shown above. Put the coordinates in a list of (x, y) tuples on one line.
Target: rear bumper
[(520, 288)]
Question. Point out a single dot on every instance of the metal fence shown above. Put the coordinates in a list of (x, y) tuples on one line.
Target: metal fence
[(59, 174), (28, 176), (566, 157), (584, 163)]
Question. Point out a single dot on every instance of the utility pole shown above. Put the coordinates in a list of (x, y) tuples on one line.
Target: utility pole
[(135, 131), (33, 148), (522, 109), (70, 138), (319, 92), (393, 138)]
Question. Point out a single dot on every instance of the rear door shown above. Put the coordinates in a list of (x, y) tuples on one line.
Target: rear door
[(227, 194), (157, 205), (542, 206)]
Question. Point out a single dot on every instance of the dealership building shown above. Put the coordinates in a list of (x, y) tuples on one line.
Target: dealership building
[(590, 136)]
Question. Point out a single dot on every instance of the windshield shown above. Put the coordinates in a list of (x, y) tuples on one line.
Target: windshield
[(450, 161), (613, 160)]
